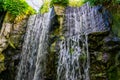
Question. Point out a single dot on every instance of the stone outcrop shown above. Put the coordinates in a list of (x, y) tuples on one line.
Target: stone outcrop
[(11, 38)]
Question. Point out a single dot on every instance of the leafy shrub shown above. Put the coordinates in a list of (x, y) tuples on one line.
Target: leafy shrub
[(45, 7), (1, 6), (16, 7)]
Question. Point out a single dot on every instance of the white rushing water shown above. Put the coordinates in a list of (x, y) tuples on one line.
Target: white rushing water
[(74, 58), (33, 64), (70, 65)]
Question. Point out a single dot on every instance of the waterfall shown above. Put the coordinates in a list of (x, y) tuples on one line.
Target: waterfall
[(33, 64), (74, 57), (72, 53)]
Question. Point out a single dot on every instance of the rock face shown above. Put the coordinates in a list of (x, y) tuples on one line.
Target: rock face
[(11, 38)]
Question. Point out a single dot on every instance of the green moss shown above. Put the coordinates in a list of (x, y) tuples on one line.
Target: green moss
[(53, 47), (103, 2), (1, 57), (116, 23), (60, 2), (2, 67), (1, 5), (45, 7), (112, 72), (62, 38), (71, 50), (83, 57), (76, 3), (100, 56), (9, 18), (47, 4), (11, 44)]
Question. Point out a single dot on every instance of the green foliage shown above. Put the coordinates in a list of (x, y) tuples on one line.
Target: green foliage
[(76, 3), (116, 23), (118, 1), (73, 3), (2, 67), (96, 2), (45, 7), (1, 5), (16, 7), (60, 2)]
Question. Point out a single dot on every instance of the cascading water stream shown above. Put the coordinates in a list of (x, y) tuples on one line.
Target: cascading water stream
[(70, 59), (32, 65), (74, 57)]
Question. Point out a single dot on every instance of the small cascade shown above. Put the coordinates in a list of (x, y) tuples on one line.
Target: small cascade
[(74, 57), (32, 65)]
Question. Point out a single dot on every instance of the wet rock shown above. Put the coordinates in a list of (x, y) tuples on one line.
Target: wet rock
[(111, 43), (6, 29), (11, 38), (112, 40), (54, 21), (3, 43), (2, 15), (59, 10), (99, 62)]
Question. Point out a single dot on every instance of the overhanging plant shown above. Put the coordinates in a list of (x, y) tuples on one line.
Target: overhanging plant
[(60, 2)]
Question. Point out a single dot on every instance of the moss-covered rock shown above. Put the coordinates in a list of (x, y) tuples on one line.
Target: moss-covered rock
[(2, 65), (11, 38), (59, 10)]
